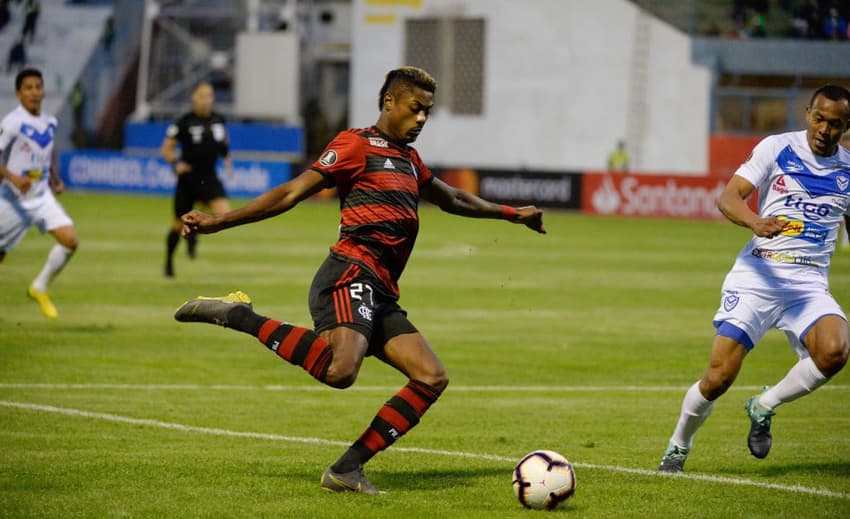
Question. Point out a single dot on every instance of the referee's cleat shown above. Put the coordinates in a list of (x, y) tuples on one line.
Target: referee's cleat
[(213, 310), (759, 440), (353, 481), (44, 303), (674, 459)]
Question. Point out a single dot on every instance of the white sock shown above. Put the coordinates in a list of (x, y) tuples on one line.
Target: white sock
[(803, 378), (57, 258), (695, 409)]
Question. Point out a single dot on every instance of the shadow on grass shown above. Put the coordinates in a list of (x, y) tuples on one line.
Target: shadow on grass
[(838, 469), (827, 471), (405, 480)]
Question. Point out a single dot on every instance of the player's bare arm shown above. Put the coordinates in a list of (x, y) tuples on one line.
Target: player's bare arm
[(733, 204), (462, 203), (168, 151), (54, 180), (273, 202), (21, 182)]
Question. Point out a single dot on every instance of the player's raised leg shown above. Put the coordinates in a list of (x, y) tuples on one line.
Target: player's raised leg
[(296, 345)]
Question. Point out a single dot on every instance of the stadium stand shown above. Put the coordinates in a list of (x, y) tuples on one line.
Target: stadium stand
[(67, 35)]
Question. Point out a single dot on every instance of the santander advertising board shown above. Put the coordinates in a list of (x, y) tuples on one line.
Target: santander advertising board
[(661, 196)]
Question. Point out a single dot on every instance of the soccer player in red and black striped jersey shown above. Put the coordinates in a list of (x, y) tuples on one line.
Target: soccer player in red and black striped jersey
[(354, 295)]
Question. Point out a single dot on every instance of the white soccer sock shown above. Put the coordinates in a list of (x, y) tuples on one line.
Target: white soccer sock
[(803, 378), (695, 409), (57, 258)]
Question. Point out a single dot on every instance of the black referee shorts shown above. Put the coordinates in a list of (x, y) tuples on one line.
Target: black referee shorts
[(191, 190)]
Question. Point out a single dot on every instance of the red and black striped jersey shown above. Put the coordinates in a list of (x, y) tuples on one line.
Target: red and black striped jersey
[(378, 183)]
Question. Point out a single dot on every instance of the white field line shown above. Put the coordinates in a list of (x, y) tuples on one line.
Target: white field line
[(491, 457), (452, 388)]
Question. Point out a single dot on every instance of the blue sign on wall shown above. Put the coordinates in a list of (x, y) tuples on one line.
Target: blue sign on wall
[(253, 137), (114, 171)]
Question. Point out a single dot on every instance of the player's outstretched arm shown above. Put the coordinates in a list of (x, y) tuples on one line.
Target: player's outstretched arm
[(460, 202), (273, 202), (732, 203)]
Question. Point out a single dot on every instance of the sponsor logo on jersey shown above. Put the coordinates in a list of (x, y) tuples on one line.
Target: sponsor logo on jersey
[(793, 167), (810, 210), (784, 257), (779, 186), (792, 227), (388, 164), (329, 158), (807, 231), (197, 133), (378, 142), (730, 301)]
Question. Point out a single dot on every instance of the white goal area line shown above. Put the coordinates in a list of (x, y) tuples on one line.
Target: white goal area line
[(492, 457)]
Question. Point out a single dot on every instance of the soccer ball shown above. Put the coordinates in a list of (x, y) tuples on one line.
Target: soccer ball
[(543, 480)]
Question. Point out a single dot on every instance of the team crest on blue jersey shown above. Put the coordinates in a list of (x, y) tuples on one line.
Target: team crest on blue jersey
[(842, 182), (328, 159), (730, 301)]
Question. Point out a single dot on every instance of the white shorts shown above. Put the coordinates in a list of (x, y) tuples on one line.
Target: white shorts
[(15, 219), (750, 305)]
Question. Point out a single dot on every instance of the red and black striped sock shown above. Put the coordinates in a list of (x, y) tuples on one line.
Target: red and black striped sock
[(400, 414), (297, 345)]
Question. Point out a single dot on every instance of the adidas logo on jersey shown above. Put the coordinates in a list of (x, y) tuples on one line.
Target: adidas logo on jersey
[(388, 164)]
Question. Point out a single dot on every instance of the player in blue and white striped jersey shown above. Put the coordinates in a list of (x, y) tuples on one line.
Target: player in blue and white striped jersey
[(28, 180), (780, 278)]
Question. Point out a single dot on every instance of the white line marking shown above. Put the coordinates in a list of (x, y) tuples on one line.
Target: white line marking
[(464, 389), (491, 457)]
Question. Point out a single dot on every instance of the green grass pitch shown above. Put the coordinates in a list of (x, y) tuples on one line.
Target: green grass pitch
[(582, 341)]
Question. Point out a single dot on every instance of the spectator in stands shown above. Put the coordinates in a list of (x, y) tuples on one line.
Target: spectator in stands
[(804, 19), (108, 35), (618, 159), (32, 10), (17, 56), (79, 135), (834, 26), (755, 25), (203, 139)]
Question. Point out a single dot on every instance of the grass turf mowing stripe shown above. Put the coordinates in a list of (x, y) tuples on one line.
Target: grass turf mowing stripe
[(467, 389), (276, 437)]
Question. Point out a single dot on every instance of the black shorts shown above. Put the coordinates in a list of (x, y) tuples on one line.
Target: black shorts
[(346, 294), (191, 190)]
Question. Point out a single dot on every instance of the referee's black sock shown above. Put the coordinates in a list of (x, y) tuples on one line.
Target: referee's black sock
[(170, 246)]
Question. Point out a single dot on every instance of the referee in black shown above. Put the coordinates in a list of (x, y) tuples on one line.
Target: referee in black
[(202, 139)]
